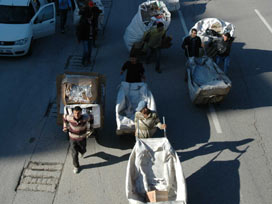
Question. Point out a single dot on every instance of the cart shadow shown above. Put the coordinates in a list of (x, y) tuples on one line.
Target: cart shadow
[(251, 82), (213, 147), (217, 182), (109, 160)]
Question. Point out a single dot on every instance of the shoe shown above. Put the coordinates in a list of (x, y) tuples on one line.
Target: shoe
[(81, 155), (76, 170), (62, 31)]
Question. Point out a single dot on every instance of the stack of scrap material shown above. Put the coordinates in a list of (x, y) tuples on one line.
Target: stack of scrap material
[(77, 89), (209, 30), (86, 90), (149, 13)]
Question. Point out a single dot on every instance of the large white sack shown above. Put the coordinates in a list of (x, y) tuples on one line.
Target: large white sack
[(154, 164), (138, 26), (206, 81), (128, 97), (172, 5), (216, 24)]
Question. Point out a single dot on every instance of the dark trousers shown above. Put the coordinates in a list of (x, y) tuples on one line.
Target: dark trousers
[(63, 18), (87, 51), (77, 147), (157, 53)]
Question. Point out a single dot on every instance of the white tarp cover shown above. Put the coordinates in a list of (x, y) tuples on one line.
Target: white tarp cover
[(144, 20), (128, 97), (172, 5), (93, 109), (206, 81), (154, 164)]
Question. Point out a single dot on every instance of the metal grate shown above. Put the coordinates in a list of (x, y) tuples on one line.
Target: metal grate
[(73, 63), (40, 176)]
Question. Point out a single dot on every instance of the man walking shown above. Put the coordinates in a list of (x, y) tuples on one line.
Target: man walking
[(85, 35), (135, 70), (64, 6), (152, 43), (191, 44), (223, 49), (77, 125)]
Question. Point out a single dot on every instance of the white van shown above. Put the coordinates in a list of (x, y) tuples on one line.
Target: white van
[(22, 21)]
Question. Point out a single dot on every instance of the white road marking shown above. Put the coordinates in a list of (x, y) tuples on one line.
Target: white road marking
[(215, 119), (211, 107), (263, 20), (181, 18)]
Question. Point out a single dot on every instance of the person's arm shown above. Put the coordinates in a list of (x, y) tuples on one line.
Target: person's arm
[(123, 69), (185, 43), (158, 122), (65, 123), (142, 71)]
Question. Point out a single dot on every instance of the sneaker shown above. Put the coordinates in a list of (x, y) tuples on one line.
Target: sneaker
[(81, 155), (76, 170)]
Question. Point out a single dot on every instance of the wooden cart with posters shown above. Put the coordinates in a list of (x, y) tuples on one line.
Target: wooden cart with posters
[(84, 89)]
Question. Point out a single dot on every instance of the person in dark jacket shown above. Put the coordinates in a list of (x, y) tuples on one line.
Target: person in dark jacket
[(191, 44), (85, 35), (223, 49), (96, 12), (135, 70)]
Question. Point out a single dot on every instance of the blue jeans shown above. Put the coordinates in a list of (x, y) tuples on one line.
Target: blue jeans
[(225, 60), (87, 50)]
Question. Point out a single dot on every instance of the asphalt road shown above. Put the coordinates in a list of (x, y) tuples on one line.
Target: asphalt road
[(231, 167)]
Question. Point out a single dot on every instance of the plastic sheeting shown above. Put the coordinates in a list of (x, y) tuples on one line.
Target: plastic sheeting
[(207, 83), (154, 165), (215, 24), (144, 20), (129, 95)]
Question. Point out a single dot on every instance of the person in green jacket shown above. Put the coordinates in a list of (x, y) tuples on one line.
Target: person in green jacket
[(152, 43)]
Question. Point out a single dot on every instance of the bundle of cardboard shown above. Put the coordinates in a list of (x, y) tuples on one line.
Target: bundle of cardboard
[(77, 89)]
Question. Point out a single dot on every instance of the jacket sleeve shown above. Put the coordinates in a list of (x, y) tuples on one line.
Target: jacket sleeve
[(65, 122), (185, 42)]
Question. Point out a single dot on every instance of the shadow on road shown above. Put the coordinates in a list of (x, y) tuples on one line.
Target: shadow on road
[(109, 160), (212, 147), (216, 182)]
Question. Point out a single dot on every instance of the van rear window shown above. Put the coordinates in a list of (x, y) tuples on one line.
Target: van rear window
[(16, 14)]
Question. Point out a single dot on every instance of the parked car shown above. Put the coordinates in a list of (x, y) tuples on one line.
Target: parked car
[(21, 22)]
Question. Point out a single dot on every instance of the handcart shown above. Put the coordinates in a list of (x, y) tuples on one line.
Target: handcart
[(207, 83), (154, 173), (84, 89), (128, 97)]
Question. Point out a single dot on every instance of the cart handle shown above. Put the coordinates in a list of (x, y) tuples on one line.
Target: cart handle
[(164, 130)]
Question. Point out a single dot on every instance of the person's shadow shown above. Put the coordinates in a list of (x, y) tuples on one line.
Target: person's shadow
[(212, 147), (217, 181), (109, 160)]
